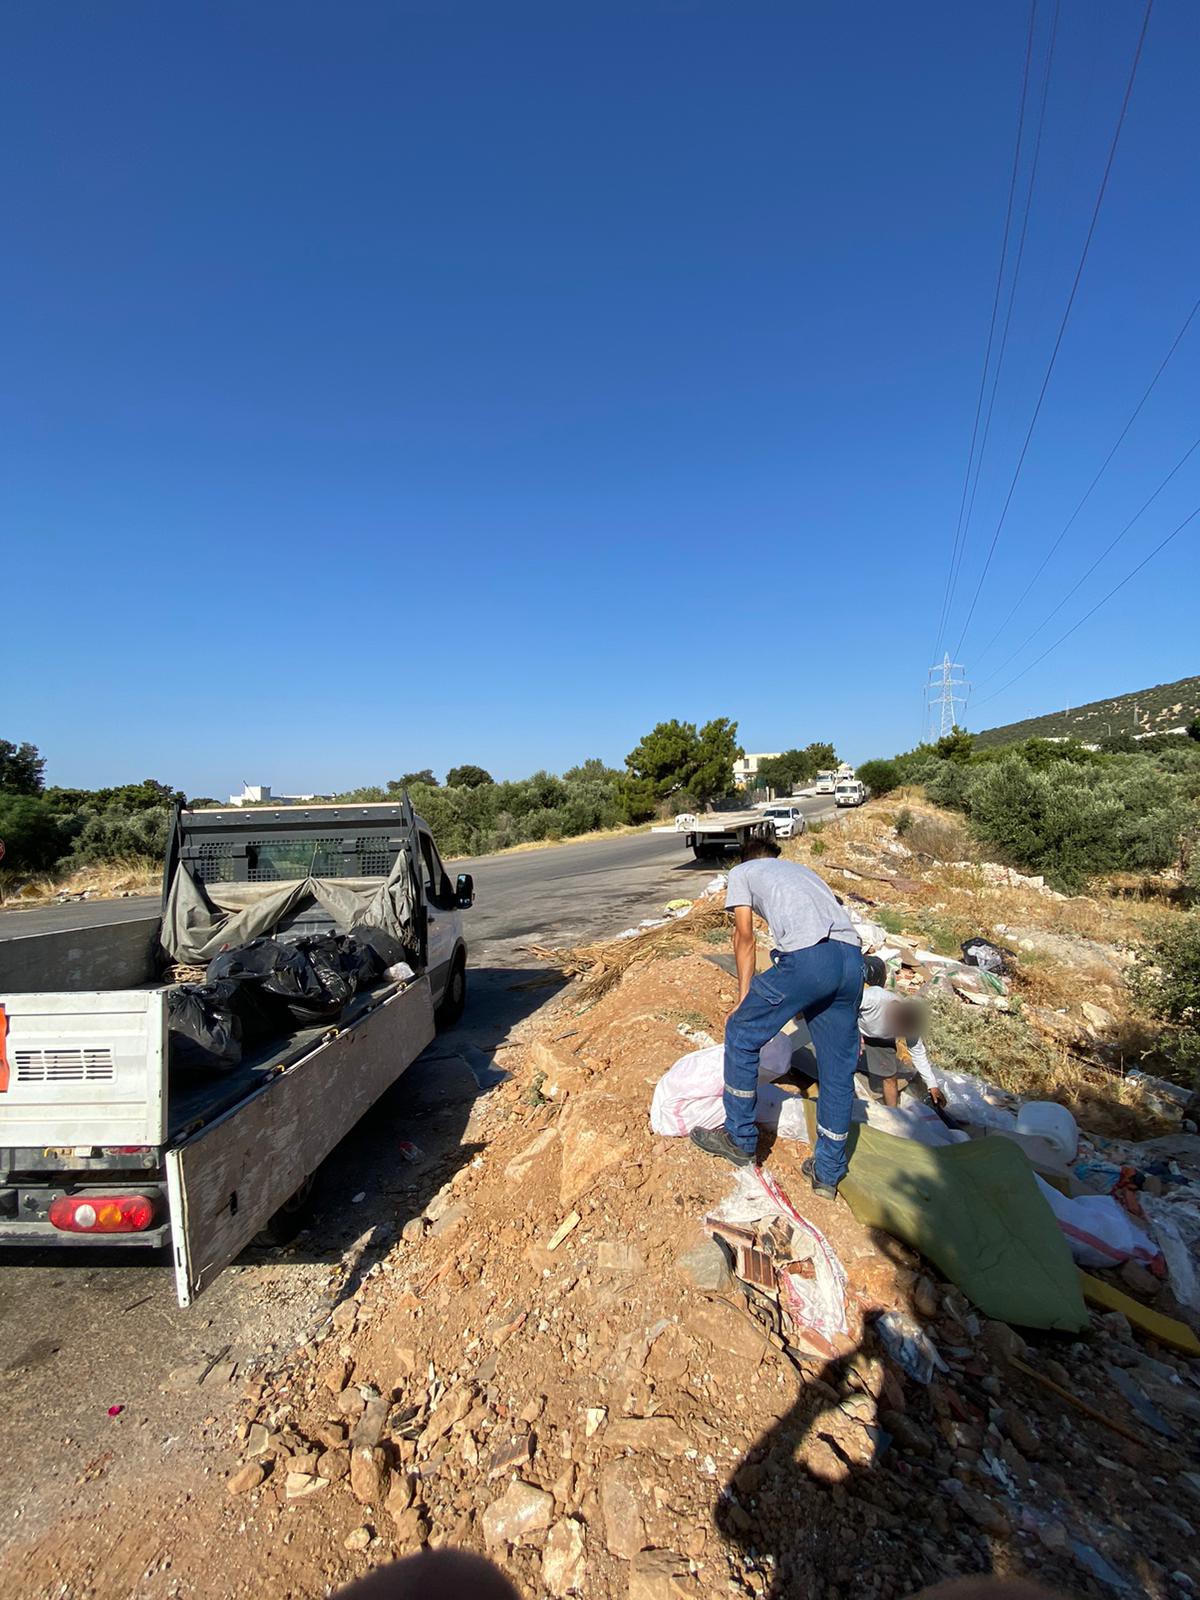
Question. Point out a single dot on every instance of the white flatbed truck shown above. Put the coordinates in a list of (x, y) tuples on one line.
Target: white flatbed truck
[(103, 1141), (719, 831)]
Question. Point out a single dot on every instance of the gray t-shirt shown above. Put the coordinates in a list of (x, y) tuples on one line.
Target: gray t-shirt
[(797, 905)]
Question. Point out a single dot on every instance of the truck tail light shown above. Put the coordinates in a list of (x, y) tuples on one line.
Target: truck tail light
[(102, 1213)]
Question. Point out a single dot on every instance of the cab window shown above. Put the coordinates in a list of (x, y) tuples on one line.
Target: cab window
[(437, 884)]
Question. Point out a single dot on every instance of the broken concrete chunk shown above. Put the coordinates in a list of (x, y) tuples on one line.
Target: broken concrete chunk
[(706, 1266), (621, 1504), (301, 1485), (368, 1430), (564, 1558), (660, 1575), (625, 1259), (661, 1435), (522, 1509)]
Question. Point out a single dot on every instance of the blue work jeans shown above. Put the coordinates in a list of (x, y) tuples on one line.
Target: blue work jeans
[(823, 984)]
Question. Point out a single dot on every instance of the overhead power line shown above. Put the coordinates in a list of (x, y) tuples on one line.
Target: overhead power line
[(1146, 559), (1046, 559), (1107, 551), (952, 570), (1087, 244), (1012, 295)]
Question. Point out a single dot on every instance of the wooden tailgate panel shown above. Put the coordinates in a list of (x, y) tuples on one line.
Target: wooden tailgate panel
[(230, 1178)]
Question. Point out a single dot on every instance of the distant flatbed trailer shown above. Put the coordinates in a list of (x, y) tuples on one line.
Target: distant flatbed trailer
[(722, 831)]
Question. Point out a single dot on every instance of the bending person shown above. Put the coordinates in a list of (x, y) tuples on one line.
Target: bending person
[(816, 972)]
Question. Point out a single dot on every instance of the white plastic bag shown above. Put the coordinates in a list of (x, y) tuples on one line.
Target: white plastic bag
[(1099, 1230), (691, 1094)]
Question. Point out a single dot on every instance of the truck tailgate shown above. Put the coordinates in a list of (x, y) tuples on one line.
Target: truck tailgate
[(228, 1179), (84, 1068)]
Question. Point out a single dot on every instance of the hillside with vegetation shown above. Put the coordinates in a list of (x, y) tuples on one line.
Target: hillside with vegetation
[(1165, 708)]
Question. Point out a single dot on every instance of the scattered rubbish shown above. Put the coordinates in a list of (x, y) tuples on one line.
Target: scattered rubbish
[(1098, 1230), (408, 1151), (1167, 1330), (115, 1411), (689, 1095), (1092, 1561), (909, 1346), (1150, 1415), (678, 905), (793, 1258), (1045, 1120), (357, 1199), (984, 954), (563, 1229), (1073, 1399), (975, 1211)]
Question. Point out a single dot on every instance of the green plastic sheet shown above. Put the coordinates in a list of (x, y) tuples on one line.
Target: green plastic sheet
[(975, 1211)]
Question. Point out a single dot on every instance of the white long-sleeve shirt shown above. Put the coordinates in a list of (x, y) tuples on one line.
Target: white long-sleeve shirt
[(874, 1022)]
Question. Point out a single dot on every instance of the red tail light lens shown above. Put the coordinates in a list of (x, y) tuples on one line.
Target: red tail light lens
[(102, 1213)]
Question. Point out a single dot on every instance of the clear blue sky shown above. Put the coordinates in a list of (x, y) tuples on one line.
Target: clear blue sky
[(401, 383)]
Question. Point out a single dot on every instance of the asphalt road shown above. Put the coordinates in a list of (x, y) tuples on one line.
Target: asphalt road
[(562, 894), (84, 1330)]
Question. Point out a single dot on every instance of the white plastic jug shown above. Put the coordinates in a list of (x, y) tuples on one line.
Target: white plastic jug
[(1051, 1122)]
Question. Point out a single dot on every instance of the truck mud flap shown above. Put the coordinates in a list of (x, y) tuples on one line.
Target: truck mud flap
[(226, 1181)]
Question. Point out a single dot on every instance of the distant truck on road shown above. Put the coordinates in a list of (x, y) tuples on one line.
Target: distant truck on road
[(717, 832), (826, 781), (849, 792), (111, 1133)]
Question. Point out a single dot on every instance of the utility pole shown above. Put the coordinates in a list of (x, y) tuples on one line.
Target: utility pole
[(943, 692)]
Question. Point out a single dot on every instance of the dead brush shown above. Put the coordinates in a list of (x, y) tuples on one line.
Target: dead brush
[(602, 966), (1004, 1050)]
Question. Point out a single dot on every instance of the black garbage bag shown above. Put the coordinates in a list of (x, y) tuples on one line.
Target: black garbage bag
[(384, 947), (364, 958), (284, 974), (203, 1033), (261, 1015), (985, 955), (335, 972)]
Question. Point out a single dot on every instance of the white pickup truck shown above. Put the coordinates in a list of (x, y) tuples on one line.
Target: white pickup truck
[(108, 1138)]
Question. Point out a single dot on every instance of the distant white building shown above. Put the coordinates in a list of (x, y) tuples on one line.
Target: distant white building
[(745, 768), (259, 794)]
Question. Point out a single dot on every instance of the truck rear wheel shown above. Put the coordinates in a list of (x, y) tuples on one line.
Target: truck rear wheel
[(293, 1216)]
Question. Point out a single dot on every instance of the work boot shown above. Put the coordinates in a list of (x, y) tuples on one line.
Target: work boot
[(716, 1142), (823, 1191)]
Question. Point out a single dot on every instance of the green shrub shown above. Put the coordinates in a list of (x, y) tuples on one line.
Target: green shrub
[(113, 835), (881, 777), (817, 846), (1165, 980), (904, 821), (1055, 822), (35, 834)]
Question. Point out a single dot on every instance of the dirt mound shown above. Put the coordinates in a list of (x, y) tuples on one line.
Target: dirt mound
[(553, 1367)]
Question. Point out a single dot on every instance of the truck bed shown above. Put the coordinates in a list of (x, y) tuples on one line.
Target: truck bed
[(196, 1098)]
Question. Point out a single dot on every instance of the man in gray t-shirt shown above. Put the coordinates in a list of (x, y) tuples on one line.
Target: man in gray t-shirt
[(816, 971)]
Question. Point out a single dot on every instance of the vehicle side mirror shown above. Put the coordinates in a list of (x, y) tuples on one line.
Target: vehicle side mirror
[(464, 891)]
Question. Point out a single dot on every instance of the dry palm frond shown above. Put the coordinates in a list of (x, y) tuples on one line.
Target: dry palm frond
[(603, 965), (181, 972)]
